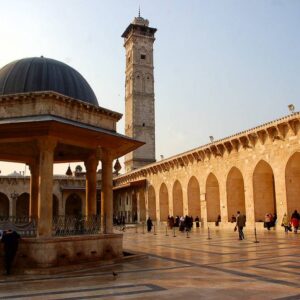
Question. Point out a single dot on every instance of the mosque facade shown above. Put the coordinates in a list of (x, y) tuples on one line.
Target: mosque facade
[(256, 171)]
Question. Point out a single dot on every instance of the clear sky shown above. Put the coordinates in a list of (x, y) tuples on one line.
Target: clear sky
[(220, 66)]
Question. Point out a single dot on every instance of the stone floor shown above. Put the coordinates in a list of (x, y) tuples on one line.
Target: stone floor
[(180, 267)]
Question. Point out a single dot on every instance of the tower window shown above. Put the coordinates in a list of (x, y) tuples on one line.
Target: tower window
[(143, 56)]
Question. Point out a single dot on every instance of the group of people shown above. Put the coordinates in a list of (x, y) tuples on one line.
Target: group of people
[(290, 224), (270, 220), (184, 223), (10, 239)]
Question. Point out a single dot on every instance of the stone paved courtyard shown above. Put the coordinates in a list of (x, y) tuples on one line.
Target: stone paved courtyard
[(180, 267)]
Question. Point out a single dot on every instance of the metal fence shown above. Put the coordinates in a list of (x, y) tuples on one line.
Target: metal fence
[(25, 226), (76, 225)]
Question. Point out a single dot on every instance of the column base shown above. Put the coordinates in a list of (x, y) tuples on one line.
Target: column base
[(63, 251)]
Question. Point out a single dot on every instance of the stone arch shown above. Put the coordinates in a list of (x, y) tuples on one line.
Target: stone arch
[(55, 206), (212, 198), (151, 203), (4, 205), (142, 206), (235, 192), (263, 191), (292, 182), (134, 206), (138, 82), (177, 199), (22, 206), (73, 205), (163, 202), (193, 193), (149, 83)]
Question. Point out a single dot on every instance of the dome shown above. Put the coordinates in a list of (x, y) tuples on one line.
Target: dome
[(37, 74)]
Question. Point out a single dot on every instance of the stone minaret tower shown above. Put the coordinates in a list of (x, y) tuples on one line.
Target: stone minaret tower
[(139, 91)]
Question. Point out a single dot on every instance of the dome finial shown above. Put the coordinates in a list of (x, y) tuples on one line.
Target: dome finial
[(139, 11)]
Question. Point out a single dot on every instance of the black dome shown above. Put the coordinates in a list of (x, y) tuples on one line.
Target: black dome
[(44, 74)]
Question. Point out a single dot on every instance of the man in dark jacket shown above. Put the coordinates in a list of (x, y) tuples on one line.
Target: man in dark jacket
[(240, 223), (11, 241)]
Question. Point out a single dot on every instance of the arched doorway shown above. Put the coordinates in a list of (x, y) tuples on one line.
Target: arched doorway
[(235, 192), (263, 191), (151, 203), (163, 202), (212, 198), (292, 182), (55, 206), (134, 207), (73, 205), (4, 206), (177, 199), (142, 205), (193, 193), (22, 206)]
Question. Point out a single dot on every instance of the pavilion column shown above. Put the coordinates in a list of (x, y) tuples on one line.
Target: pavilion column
[(46, 147), (138, 207), (34, 189), (91, 185), (107, 194)]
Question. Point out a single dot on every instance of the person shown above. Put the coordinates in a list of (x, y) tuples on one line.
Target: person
[(295, 220), (171, 222), (233, 219), (149, 224), (268, 221), (285, 223), (240, 223), (10, 239), (197, 220), (218, 220)]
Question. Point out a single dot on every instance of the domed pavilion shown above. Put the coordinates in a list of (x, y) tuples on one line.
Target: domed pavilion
[(50, 114)]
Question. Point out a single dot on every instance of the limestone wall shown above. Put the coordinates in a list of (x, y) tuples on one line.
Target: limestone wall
[(255, 172)]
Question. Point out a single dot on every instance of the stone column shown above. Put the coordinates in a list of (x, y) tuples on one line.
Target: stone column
[(138, 206), (91, 185), (34, 189), (106, 194), (249, 200), (46, 148), (223, 199)]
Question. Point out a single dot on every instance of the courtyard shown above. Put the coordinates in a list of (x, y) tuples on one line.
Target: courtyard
[(169, 267)]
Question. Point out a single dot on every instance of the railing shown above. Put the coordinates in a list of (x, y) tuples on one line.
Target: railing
[(76, 225), (25, 226)]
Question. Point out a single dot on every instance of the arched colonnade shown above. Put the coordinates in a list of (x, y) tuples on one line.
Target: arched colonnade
[(19, 206), (188, 196)]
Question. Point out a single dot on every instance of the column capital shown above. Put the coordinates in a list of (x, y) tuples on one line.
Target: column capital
[(46, 144), (106, 155), (91, 163)]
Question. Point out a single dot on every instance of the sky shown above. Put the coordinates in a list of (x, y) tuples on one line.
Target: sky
[(221, 67)]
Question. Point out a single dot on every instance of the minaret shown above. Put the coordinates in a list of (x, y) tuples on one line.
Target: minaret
[(139, 91)]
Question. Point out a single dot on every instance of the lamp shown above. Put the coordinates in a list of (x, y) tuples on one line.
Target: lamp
[(291, 108), (211, 138)]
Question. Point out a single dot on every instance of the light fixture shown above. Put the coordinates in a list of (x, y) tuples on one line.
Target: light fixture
[(291, 108), (211, 138), (161, 157)]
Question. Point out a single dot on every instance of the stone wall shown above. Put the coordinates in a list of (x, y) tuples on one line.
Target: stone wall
[(256, 172)]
